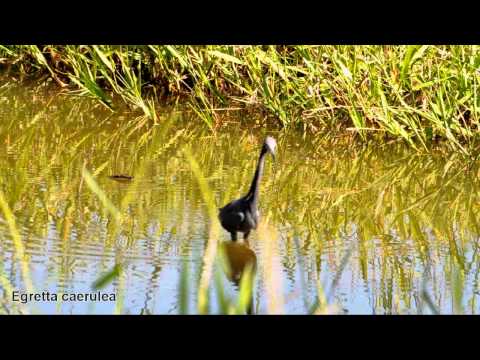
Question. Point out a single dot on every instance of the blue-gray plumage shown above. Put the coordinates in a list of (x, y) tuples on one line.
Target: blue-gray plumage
[(242, 215)]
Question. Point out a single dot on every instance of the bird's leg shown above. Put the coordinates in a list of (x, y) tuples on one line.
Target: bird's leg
[(245, 238), (234, 236)]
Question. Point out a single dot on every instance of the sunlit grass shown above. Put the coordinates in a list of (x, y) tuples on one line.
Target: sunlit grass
[(418, 94)]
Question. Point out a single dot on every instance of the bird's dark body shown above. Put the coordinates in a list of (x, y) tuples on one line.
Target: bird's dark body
[(239, 216), (242, 215)]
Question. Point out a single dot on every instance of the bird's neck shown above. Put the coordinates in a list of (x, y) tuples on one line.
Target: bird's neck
[(255, 186)]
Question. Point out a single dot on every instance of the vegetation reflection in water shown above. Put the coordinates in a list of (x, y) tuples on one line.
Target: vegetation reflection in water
[(346, 229)]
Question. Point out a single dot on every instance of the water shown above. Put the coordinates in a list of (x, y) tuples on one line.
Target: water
[(378, 230)]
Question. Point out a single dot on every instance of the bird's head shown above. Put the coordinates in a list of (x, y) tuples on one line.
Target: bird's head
[(270, 145)]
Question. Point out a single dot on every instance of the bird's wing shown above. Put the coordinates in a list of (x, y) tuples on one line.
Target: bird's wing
[(233, 217), (232, 214), (251, 220)]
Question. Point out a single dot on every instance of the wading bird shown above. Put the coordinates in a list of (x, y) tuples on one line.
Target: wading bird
[(242, 215)]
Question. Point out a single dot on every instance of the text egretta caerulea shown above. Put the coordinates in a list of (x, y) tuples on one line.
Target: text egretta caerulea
[(242, 215)]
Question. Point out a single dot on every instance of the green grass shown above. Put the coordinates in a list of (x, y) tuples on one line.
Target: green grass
[(417, 94)]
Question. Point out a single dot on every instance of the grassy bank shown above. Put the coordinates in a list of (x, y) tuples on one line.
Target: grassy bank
[(418, 94)]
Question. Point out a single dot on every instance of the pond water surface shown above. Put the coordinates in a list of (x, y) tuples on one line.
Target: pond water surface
[(377, 230)]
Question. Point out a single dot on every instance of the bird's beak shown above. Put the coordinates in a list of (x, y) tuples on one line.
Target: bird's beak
[(273, 155)]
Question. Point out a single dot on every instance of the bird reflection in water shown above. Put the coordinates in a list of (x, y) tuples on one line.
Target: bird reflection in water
[(241, 261)]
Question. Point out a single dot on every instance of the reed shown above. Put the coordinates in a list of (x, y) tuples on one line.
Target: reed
[(419, 95)]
